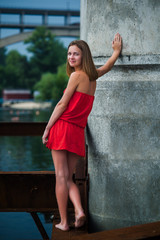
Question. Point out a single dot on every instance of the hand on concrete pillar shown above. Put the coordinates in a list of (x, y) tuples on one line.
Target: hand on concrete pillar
[(117, 43)]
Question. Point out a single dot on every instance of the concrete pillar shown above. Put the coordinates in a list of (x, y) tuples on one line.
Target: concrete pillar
[(22, 21), (45, 19), (67, 19), (123, 131)]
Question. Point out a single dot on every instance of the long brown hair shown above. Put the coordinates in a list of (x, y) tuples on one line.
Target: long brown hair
[(87, 62)]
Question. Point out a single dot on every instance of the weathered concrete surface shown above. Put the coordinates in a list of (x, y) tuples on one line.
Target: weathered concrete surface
[(123, 130), (136, 20)]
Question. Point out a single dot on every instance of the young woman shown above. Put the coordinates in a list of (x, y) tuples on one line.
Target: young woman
[(64, 133)]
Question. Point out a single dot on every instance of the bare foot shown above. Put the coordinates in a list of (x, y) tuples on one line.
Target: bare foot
[(62, 227), (80, 220)]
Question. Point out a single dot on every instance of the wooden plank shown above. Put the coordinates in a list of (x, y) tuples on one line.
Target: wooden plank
[(33, 191), (27, 191), (81, 171), (27, 172), (22, 128), (60, 235), (145, 231)]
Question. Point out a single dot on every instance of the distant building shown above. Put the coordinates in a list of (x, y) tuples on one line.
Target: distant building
[(16, 95)]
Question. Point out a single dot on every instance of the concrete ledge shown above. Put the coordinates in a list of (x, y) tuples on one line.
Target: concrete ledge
[(130, 60)]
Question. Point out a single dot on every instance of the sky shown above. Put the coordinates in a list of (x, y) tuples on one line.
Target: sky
[(36, 4)]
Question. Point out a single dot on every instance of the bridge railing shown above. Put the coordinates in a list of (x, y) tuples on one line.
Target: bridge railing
[(66, 15)]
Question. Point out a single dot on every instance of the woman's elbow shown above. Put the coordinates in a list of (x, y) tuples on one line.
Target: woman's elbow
[(62, 105), (103, 72)]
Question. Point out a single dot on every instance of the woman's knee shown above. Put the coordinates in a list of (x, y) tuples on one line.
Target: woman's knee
[(62, 176)]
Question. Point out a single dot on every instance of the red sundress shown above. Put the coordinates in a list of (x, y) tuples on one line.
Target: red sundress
[(68, 131)]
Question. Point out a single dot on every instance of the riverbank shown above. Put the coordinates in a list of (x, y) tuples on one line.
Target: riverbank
[(27, 105)]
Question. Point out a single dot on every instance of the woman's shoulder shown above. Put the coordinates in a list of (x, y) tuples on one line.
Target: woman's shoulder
[(79, 74)]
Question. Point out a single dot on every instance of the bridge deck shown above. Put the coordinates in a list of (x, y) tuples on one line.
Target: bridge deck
[(66, 29), (146, 232), (54, 12)]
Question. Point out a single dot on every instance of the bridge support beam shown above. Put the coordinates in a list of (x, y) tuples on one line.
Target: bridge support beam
[(67, 19), (21, 20), (45, 19), (63, 31), (124, 127), (21, 37)]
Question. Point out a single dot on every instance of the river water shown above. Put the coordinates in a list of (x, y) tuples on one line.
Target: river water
[(23, 154)]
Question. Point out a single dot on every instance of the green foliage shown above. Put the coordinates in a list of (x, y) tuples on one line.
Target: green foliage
[(48, 53), (60, 82), (2, 75), (2, 69), (16, 71), (2, 78), (2, 56), (51, 85), (45, 85)]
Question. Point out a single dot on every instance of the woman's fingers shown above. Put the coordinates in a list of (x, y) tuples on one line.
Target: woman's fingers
[(117, 42), (45, 136), (117, 37), (44, 140)]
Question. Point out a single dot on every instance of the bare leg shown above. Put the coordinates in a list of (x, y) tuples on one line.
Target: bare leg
[(62, 174), (74, 191)]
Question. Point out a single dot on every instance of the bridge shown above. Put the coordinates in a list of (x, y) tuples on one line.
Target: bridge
[(67, 28)]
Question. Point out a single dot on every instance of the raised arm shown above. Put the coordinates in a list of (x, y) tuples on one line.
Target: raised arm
[(116, 45)]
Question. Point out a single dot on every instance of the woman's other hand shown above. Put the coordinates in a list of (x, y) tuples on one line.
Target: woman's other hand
[(45, 136)]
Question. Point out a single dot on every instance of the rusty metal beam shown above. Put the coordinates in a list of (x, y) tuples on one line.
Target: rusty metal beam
[(22, 128), (81, 171), (33, 191), (27, 191), (39, 225)]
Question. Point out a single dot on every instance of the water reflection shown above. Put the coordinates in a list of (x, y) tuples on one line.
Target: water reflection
[(34, 115), (24, 154), (20, 226)]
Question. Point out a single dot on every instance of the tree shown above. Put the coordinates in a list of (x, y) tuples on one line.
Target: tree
[(51, 85), (45, 86), (16, 70), (48, 53), (2, 56), (2, 69), (60, 82), (2, 78)]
